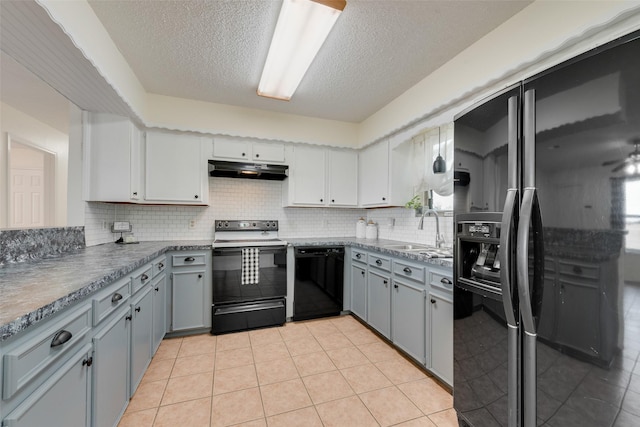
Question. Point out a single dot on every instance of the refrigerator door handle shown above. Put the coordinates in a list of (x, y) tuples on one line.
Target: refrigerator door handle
[(506, 237), (529, 297)]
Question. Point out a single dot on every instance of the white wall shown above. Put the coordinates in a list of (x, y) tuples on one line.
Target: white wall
[(247, 199), (27, 129)]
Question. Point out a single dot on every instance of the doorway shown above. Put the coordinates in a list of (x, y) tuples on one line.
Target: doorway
[(31, 179)]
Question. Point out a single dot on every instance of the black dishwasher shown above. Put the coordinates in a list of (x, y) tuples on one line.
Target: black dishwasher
[(319, 282)]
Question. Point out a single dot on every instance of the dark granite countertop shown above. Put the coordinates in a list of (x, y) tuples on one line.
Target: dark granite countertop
[(32, 291), (372, 245)]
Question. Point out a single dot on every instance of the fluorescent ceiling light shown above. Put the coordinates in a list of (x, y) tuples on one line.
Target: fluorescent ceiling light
[(303, 26)]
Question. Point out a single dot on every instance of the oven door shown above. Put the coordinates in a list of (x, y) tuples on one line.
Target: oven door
[(227, 275)]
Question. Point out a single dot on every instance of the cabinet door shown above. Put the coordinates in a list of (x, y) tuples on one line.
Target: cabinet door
[(379, 302), (63, 400), (137, 164), (374, 175), (159, 310), (174, 169), (142, 312), (409, 319), (267, 152), (187, 309), (578, 320), (107, 158), (308, 177), (110, 375), (441, 325), (231, 149), (343, 178), (359, 291)]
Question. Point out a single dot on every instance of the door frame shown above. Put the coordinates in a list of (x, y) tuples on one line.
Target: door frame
[(49, 179)]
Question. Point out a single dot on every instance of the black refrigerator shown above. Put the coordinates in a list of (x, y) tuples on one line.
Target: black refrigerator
[(547, 249)]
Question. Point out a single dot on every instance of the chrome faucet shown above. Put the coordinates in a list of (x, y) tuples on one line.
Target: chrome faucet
[(439, 237)]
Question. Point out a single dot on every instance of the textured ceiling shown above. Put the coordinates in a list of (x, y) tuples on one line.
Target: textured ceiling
[(214, 50)]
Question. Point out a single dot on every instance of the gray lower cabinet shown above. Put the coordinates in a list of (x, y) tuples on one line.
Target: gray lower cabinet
[(359, 291), (110, 374), (159, 328), (379, 302), (141, 324), (440, 324), (191, 290), (62, 400), (408, 309), (441, 333)]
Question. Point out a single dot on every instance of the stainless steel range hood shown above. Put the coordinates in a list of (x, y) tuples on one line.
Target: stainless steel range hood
[(248, 170)]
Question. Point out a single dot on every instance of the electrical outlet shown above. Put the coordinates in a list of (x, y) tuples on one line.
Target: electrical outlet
[(192, 223)]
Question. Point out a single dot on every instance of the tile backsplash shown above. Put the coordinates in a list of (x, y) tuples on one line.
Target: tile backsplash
[(248, 199)]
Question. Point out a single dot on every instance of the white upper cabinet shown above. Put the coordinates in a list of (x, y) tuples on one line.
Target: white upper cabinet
[(176, 169), (112, 159), (384, 176), (238, 149), (307, 176), (342, 178), (321, 177), (374, 175)]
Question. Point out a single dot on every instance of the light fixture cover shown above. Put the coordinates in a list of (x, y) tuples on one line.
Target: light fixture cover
[(439, 165), (303, 26)]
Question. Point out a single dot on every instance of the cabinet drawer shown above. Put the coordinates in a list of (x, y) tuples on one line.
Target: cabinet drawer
[(380, 262), (579, 270), (140, 278), (107, 300), (187, 259), (409, 271), (358, 255), (42, 349), (159, 266), (441, 280)]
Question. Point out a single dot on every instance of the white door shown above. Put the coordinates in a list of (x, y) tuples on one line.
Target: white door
[(27, 198)]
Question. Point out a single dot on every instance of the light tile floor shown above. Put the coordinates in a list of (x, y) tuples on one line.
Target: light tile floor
[(327, 372)]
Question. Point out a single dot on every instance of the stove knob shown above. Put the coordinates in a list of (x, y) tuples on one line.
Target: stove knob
[(254, 224), (226, 224)]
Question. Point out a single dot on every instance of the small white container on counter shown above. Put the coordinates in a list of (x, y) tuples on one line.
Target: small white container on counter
[(361, 226), (372, 231)]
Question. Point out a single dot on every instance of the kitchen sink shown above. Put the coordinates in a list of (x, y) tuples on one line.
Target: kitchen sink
[(407, 247), (428, 251), (436, 253)]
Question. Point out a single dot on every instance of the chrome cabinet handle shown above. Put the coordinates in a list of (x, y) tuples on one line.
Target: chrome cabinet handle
[(362, 272), (160, 265), (196, 196), (385, 282), (189, 259), (378, 262), (407, 270), (138, 309), (395, 286), (60, 338), (445, 281), (433, 301), (87, 362), (116, 297), (144, 277), (358, 256), (128, 317)]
